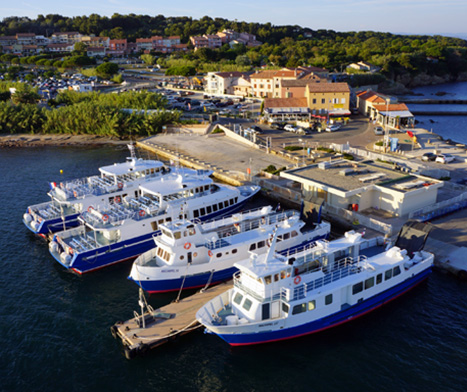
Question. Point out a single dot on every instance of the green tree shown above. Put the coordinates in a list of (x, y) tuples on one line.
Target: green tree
[(107, 70), (25, 95), (148, 59)]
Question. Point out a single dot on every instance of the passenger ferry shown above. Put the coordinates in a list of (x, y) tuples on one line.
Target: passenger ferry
[(278, 297), (121, 231), (70, 199), (189, 255)]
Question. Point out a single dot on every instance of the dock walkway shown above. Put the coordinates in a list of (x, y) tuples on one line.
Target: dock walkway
[(164, 324)]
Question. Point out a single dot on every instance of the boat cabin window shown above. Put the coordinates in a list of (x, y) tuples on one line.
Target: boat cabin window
[(252, 246), (388, 274), (357, 288), (396, 271), (214, 207), (202, 211), (191, 231), (328, 299), (261, 244), (182, 257), (285, 307), (218, 254), (238, 298), (379, 278), (247, 304), (279, 238), (177, 235), (234, 251), (267, 279), (208, 209), (276, 277), (154, 225), (297, 309), (221, 206), (167, 233), (369, 283), (235, 200), (286, 236), (206, 187), (195, 213), (283, 275), (312, 305), (231, 202)]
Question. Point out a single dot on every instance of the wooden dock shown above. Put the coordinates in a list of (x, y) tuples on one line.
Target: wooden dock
[(163, 325)]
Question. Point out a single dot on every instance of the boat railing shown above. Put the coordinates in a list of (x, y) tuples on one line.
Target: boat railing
[(147, 258), (345, 268), (254, 290)]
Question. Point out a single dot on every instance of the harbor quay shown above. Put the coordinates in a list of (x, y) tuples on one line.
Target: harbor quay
[(237, 160)]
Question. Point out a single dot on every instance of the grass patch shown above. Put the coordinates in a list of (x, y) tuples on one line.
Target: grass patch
[(217, 130), (293, 148), (273, 170)]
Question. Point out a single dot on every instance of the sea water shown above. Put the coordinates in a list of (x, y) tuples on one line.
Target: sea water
[(55, 336)]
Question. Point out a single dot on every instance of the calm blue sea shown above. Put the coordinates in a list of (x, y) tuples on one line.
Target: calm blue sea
[(54, 325), (449, 127)]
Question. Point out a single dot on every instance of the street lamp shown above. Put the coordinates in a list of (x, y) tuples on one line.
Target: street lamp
[(303, 153), (386, 139)]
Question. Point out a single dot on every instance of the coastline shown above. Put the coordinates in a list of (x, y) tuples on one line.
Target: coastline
[(62, 140)]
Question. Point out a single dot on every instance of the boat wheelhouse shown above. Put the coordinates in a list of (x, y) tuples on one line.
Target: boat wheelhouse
[(282, 297), (192, 254), (70, 199), (124, 230)]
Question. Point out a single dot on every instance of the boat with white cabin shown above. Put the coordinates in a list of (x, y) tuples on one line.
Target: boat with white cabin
[(120, 231), (71, 198), (277, 297), (192, 254)]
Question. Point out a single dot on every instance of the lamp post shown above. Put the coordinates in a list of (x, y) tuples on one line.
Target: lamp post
[(386, 139), (303, 151)]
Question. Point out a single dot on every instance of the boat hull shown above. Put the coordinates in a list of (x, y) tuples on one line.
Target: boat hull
[(55, 225), (349, 314)]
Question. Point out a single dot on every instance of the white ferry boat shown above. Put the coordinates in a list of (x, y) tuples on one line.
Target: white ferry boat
[(121, 231), (70, 199), (189, 255), (277, 297)]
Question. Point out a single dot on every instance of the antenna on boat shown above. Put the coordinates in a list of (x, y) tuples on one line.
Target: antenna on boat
[(272, 246)]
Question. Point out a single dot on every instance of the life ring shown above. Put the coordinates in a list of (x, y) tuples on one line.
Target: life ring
[(117, 199), (105, 217), (70, 251), (297, 280), (90, 208), (75, 194), (187, 245), (120, 185), (209, 253), (141, 213)]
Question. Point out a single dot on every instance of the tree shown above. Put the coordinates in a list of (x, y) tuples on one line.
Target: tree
[(242, 60), (80, 48), (107, 70), (25, 94), (148, 59)]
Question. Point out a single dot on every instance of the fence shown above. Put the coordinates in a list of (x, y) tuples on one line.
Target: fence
[(439, 209)]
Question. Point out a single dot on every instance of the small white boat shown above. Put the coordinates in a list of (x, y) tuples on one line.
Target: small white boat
[(124, 230), (277, 297), (189, 255), (70, 199)]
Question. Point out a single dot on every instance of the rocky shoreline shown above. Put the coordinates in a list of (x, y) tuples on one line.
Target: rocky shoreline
[(27, 140)]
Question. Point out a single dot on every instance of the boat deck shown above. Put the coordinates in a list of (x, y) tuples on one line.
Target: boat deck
[(164, 324)]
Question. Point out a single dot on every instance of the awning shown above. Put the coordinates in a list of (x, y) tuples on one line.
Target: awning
[(339, 112), (401, 114)]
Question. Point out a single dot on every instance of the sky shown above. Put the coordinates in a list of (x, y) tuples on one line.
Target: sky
[(395, 16)]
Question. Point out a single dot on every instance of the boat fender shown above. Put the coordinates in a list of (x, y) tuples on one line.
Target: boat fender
[(105, 217), (141, 213), (27, 217), (297, 280), (209, 253), (120, 185), (114, 331), (187, 245), (75, 194), (129, 353), (90, 208)]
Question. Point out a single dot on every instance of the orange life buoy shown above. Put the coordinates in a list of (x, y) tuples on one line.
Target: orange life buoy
[(105, 217), (90, 208), (209, 253), (117, 199), (75, 194), (141, 213), (120, 185), (187, 246), (70, 251), (297, 280)]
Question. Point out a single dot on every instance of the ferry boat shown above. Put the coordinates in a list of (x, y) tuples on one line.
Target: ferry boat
[(121, 231), (70, 199), (276, 297), (189, 255)]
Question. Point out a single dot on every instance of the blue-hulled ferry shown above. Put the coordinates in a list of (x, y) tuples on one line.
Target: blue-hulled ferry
[(282, 297), (120, 231)]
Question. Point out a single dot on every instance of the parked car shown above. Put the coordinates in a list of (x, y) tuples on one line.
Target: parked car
[(444, 158), (256, 128), (277, 125), (289, 128), (379, 131), (332, 128), (428, 156)]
